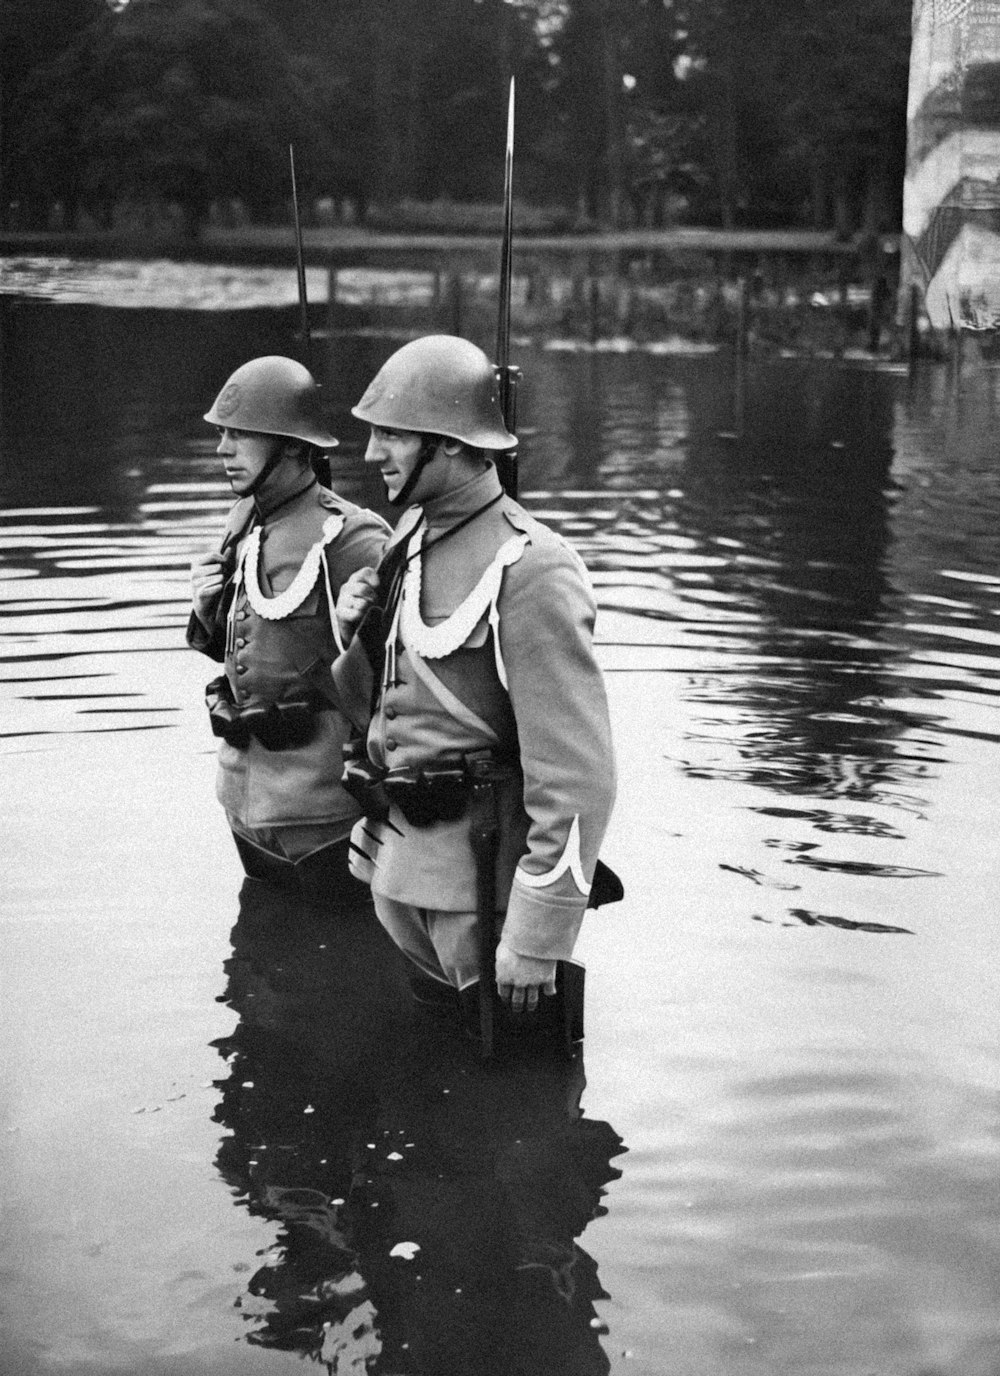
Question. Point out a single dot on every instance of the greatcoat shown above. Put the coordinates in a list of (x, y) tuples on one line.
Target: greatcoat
[(275, 631), (490, 647)]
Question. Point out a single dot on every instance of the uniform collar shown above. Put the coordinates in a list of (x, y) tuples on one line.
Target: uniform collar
[(268, 506), (451, 506)]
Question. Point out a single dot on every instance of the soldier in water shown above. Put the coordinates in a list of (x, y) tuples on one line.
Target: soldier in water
[(471, 656), (264, 608)]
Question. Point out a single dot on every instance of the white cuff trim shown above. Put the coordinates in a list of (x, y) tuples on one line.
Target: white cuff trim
[(568, 863)]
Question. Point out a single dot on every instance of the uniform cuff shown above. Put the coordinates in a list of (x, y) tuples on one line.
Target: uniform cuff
[(545, 927)]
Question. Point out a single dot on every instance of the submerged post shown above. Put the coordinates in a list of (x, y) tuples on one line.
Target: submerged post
[(331, 305), (455, 301), (593, 301), (913, 328), (740, 352), (957, 361)]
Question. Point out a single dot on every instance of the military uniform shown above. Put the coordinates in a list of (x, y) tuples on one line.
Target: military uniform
[(489, 647), (275, 631)]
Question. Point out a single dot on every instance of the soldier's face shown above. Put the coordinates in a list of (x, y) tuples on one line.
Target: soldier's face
[(244, 453), (396, 452)]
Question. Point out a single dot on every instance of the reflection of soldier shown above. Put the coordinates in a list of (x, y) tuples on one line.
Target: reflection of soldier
[(263, 607), (480, 660), (484, 1180), (428, 1207), (317, 1018)]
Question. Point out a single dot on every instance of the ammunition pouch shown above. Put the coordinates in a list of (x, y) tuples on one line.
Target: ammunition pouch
[(276, 725), (437, 792), (434, 792), (364, 782)]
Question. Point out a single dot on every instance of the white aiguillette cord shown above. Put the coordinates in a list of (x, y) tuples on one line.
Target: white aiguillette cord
[(246, 573), (389, 679)]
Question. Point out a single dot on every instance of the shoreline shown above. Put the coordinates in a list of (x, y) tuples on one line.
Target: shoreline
[(275, 245)]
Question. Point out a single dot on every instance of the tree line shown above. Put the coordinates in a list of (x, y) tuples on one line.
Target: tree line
[(630, 112)]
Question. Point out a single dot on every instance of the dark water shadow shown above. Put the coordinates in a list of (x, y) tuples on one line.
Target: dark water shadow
[(805, 499), (97, 403), (428, 1207)]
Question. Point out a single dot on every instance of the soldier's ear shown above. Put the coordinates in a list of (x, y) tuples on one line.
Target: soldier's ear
[(451, 446), (296, 449)]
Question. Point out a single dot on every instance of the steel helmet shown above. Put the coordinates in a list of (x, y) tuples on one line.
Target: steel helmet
[(438, 385), (273, 396)]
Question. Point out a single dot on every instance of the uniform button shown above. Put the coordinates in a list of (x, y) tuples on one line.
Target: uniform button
[(391, 745), (241, 641), (241, 668), (391, 713)]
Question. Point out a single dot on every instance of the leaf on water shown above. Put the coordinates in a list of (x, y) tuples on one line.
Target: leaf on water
[(765, 881), (845, 923), (863, 867)]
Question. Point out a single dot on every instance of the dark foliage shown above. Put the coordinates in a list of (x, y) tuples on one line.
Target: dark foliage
[(732, 112)]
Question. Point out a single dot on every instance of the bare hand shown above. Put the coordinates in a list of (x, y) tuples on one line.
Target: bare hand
[(521, 979), (356, 595), (207, 581)]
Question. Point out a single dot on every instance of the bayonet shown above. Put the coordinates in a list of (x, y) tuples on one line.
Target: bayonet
[(507, 376), (300, 264)]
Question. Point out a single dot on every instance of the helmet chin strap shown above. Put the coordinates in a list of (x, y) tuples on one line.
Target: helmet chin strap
[(428, 448), (270, 465)]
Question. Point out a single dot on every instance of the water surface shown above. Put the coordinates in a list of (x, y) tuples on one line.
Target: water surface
[(785, 1156)]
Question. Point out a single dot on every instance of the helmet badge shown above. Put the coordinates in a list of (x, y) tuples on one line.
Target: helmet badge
[(229, 400)]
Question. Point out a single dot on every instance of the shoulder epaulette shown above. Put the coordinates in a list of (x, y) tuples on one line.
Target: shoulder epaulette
[(520, 520), (333, 502), (408, 522)]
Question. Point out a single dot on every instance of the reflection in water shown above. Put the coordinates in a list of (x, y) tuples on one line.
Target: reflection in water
[(428, 1206), (817, 585), (764, 567)]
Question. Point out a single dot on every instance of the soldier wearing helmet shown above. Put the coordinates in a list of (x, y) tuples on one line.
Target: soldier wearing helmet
[(475, 635), (264, 608)]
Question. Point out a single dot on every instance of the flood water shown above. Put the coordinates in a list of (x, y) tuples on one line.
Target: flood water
[(228, 1144)]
